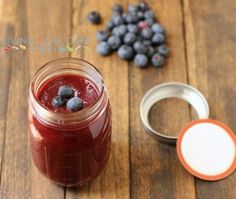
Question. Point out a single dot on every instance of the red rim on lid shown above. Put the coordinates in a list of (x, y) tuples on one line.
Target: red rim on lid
[(207, 149)]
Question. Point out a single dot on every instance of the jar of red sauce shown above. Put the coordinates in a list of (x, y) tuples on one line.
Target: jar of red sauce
[(69, 148)]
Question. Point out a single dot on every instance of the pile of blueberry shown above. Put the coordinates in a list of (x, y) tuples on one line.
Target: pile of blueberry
[(66, 96), (134, 34)]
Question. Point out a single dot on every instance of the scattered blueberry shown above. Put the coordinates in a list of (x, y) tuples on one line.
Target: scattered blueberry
[(117, 19), (133, 8), (140, 15), (140, 48), (125, 52), (158, 28), (58, 101), (114, 42), (131, 18), (110, 25), (103, 35), (149, 15), (147, 33), (117, 8), (141, 60), (151, 51), (163, 50), (143, 6), (150, 22), (142, 24), (103, 48), (74, 104), (132, 28), (147, 43), (135, 35), (158, 38), (119, 31), (94, 17), (65, 92), (129, 38), (158, 60)]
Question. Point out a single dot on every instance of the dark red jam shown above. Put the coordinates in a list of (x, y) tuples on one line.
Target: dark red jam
[(73, 154)]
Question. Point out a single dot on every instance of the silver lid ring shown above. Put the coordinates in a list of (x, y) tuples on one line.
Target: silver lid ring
[(171, 90)]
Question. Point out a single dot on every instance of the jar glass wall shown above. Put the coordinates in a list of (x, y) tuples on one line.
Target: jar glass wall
[(69, 148)]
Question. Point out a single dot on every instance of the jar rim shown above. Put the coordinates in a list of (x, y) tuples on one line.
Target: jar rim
[(79, 114)]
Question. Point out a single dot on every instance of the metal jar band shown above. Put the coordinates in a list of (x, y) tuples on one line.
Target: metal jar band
[(171, 90)]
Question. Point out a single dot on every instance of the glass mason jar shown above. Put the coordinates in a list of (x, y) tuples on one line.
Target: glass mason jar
[(69, 148)]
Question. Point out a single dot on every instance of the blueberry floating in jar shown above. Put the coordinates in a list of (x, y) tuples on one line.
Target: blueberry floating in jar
[(74, 104), (66, 92), (58, 101)]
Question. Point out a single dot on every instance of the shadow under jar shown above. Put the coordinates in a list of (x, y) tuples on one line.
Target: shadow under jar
[(69, 148)]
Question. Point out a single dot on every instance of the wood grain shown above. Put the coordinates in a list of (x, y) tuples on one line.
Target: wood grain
[(114, 181), (4, 74), (201, 39), (19, 176), (156, 171), (52, 30), (14, 179), (210, 33)]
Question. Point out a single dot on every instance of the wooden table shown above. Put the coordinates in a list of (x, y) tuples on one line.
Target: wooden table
[(201, 35)]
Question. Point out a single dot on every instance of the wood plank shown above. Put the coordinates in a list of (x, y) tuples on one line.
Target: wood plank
[(7, 31), (114, 181), (35, 20), (15, 168), (52, 29), (210, 33), (155, 169)]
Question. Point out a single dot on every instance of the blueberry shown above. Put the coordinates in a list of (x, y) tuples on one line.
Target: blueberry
[(110, 25), (132, 28), (58, 101), (125, 52), (163, 50), (131, 18), (158, 60), (158, 38), (74, 104), (117, 8), (119, 31), (158, 28), (151, 51), (142, 24), (141, 60), (143, 6), (114, 42), (102, 35), (147, 43), (133, 8), (129, 38), (65, 92), (139, 47), (117, 19), (150, 22), (140, 15), (94, 17), (149, 15), (103, 48), (147, 33)]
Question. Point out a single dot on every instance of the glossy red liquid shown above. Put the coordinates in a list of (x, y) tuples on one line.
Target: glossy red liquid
[(71, 156)]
